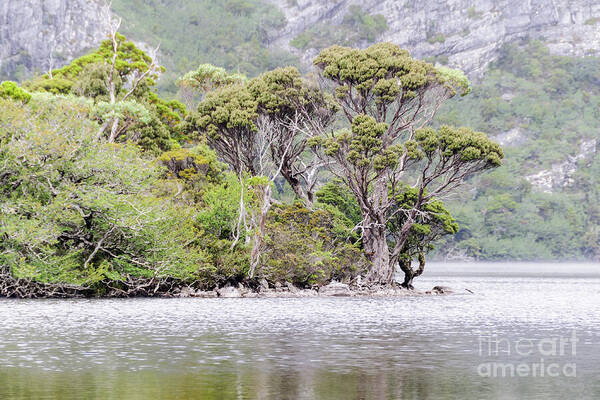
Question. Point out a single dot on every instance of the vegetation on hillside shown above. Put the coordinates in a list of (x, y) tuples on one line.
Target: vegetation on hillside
[(357, 28), (551, 107), (233, 34)]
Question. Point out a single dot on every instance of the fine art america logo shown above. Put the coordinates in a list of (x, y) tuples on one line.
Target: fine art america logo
[(546, 357)]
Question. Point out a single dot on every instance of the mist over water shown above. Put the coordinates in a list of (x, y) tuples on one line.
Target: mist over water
[(433, 347)]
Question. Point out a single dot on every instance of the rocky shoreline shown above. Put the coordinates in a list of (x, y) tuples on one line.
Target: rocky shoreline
[(11, 287), (334, 289)]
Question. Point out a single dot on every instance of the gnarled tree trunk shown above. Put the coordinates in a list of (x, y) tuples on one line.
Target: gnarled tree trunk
[(375, 242), (409, 272), (377, 252), (306, 196)]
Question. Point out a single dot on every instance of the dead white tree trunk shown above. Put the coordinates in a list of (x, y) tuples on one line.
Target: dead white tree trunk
[(271, 170)]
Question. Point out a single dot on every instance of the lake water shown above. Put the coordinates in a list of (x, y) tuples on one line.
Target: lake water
[(434, 347)]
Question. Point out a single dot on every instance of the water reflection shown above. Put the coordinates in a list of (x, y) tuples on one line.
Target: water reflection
[(267, 383)]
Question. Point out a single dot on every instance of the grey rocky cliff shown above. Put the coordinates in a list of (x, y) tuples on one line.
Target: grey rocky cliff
[(561, 174), (37, 34), (468, 32)]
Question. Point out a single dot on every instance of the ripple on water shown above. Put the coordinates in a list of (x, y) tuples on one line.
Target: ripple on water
[(342, 335)]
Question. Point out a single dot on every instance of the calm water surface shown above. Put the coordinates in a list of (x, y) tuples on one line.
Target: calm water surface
[(444, 347)]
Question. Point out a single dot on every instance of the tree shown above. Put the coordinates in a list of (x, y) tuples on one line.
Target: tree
[(261, 128), (228, 117), (195, 84), (119, 76), (289, 111), (389, 98), (296, 111), (431, 222)]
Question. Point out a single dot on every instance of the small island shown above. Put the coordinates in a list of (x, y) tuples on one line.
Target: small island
[(282, 180)]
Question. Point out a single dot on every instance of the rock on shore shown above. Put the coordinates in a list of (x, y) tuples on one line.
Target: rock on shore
[(333, 289)]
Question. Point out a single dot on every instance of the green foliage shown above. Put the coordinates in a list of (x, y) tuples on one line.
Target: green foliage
[(144, 117), (220, 207), (436, 38), (463, 143), (454, 80), (54, 86), (227, 109), (148, 131), (357, 27), (207, 77), (335, 194), (383, 71), (78, 211), (195, 84), (364, 144), (10, 90), (280, 93), (309, 247), (197, 169), (84, 75), (125, 110), (552, 103), (432, 223), (237, 106)]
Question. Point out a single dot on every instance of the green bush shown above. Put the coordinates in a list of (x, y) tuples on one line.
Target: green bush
[(309, 247), (80, 211), (10, 90)]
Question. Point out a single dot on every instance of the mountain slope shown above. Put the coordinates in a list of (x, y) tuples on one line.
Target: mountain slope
[(38, 34), (233, 34), (467, 33), (543, 203)]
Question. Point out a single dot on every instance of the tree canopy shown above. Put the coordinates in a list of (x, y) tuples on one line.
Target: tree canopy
[(388, 99)]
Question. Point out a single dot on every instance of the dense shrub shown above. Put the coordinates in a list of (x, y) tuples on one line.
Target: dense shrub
[(309, 247), (10, 90), (80, 211)]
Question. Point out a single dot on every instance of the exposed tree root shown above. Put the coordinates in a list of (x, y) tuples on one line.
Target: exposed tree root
[(132, 287), (30, 289)]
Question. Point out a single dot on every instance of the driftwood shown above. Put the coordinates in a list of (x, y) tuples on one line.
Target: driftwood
[(142, 287)]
